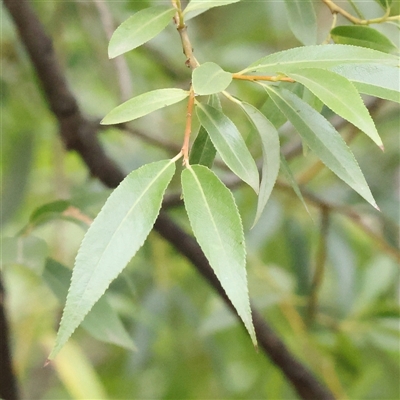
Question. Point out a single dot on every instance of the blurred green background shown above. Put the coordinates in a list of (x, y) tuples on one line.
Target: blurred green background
[(172, 338)]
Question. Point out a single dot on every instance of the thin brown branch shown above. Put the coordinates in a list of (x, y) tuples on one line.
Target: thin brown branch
[(80, 135)]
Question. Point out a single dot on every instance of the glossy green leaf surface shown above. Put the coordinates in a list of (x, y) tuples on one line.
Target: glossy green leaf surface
[(196, 7), (340, 95), (203, 151), (217, 226), (210, 78), (363, 36), (144, 104), (322, 138), (229, 143), (375, 80), (384, 3), (102, 322), (112, 240), (320, 56), (302, 20), (271, 155), (139, 28)]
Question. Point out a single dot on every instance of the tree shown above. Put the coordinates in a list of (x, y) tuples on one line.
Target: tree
[(290, 273)]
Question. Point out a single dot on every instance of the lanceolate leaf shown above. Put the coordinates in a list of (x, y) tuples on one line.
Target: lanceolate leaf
[(340, 95), (102, 322), (139, 28), (375, 80), (216, 223), (196, 7), (302, 20), (271, 155), (210, 78), (112, 240), (363, 36), (322, 138), (203, 151), (144, 104), (320, 56), (229, 143)]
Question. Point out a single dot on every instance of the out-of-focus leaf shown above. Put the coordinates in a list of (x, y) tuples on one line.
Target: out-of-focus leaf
[(139, 28), (28, 251), (376, 279), (384, 3), (17, 153), (112, 240), (363, 36), (229, 144), (76, 372), (292, 181), (210, 78), (217, 225), (144, 104), (323, 139), (302, 20), (196, 7), (381, 81), (102, 322), (320, 56), (271, 155), (340, 95)]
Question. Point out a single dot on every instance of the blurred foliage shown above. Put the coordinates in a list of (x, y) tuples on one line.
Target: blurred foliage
[(187, 344)]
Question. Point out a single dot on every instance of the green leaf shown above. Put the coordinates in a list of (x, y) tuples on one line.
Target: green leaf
[(271, 155), (203, 151), (210, 78), (363, 36), (139, 28), (229, 143), (102, 322), (323, 139), (375, 80), (384, 3), (321, 56), (302, 20), (340, 95), (112, 240), (292, 181), (196, 7), (28, 251), (216, 223), (144, 104)]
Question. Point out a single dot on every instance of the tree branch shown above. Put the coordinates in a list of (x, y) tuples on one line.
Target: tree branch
[(8, 382), (79, 134)]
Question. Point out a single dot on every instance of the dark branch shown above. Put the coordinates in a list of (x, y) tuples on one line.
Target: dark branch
[(79, 134), (8, 384)]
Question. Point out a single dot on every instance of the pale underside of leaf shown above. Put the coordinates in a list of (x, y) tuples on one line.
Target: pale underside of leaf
[(340, 95), (271, 155), (322, 138), (381, 81), (217, 225), (320, 56), (139, 28), (144, 104), (196, 7), (112, 240), (229, 144)]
